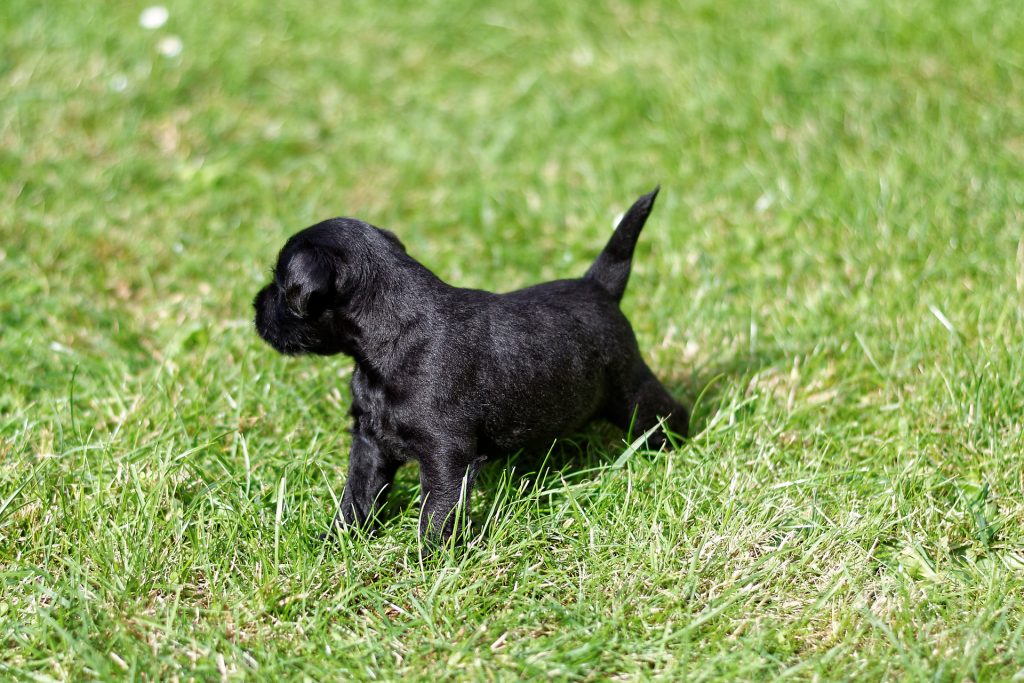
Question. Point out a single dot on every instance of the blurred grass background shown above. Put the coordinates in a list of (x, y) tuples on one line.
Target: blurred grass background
[(835, 267)]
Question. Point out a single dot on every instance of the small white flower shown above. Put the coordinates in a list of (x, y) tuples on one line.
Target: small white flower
[(118, 82), (272, 130), (169, 46), (763, 203), (153, 17), (583, 56)]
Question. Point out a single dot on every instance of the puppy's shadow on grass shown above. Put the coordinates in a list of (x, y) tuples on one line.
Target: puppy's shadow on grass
[(706, 390)]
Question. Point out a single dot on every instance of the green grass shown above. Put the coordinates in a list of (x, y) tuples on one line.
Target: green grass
[(835, 268)]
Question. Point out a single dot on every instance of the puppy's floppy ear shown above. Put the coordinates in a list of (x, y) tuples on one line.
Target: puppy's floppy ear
[(309, 282)]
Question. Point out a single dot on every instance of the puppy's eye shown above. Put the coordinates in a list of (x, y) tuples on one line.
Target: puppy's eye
[(305, 304), (316, 304)]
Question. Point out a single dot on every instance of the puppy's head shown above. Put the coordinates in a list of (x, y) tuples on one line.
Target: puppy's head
[(319, 280)]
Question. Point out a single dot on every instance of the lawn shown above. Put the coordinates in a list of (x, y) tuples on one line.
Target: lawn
[(833, 277)]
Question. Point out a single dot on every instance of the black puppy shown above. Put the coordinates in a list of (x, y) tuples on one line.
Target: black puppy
[(449, 376)]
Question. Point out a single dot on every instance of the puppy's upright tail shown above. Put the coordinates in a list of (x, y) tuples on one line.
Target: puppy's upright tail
[(611, 269)]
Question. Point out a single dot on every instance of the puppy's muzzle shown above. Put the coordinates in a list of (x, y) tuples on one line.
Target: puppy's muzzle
[(277, 325)]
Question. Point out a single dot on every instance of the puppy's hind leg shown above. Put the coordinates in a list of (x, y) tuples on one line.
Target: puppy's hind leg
[(370, 473), (643, 402)]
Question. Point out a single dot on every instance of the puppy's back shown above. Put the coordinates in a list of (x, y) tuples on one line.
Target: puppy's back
[(552, 351)]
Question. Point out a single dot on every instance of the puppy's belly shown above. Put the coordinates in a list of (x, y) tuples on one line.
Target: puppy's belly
[(538, 419), (526, 440)]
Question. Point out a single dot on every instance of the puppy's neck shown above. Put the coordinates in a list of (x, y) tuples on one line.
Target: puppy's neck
[(389, 318)]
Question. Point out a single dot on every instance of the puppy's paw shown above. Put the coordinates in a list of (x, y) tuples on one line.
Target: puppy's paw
[(340, 529), (436, 550), (333, 534)]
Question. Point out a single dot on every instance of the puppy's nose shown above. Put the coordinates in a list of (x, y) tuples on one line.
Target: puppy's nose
[(261, 304)]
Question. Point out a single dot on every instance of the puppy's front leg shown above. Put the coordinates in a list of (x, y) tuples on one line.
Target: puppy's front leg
[(445, 486), (370, 473)]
